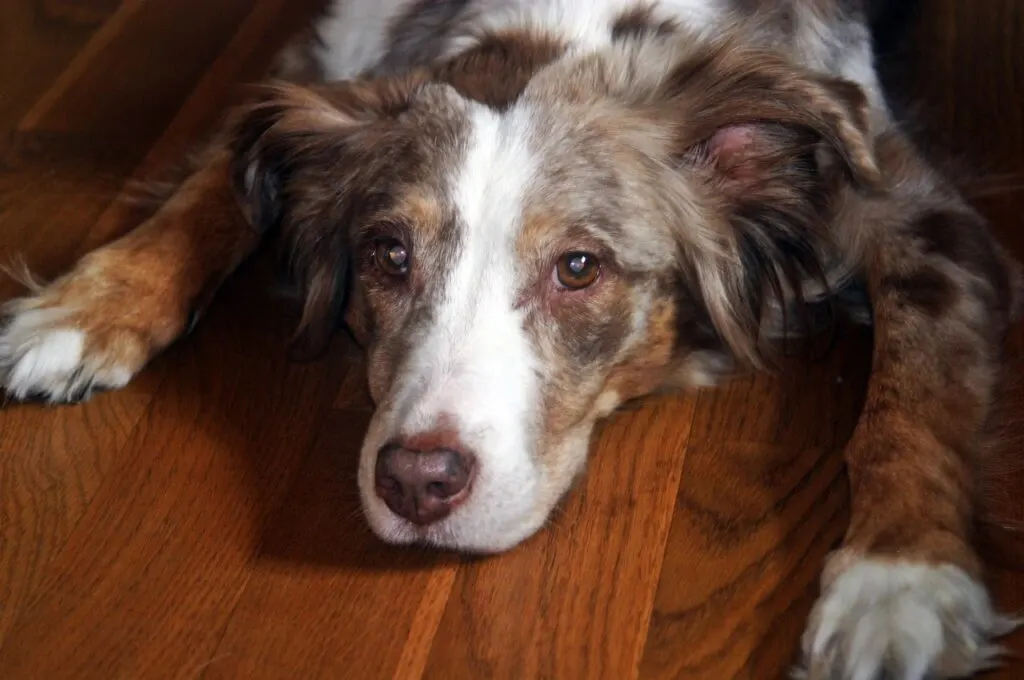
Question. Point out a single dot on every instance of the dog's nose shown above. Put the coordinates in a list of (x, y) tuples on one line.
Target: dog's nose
[(423, 486)]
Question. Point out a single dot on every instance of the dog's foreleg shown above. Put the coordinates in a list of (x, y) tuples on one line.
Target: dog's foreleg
[(903, 597), (98, 325)]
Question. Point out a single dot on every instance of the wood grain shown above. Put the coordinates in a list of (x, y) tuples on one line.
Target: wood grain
[(167, 541), (751, 535), (204, 523)]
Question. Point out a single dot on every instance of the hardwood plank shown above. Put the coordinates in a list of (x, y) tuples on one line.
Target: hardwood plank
[(1009, 588), (574, 601), (753, 524), (960, 70), (52, 461), (126, 85), (121, 22), (412, 665), (60, 199), (84, 12)]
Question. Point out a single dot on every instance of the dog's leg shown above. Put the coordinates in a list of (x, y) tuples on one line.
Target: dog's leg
[(98, 325), (903, 597)]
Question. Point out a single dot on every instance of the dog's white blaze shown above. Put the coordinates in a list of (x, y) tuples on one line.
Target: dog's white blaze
[(476, 359), (475, 367)]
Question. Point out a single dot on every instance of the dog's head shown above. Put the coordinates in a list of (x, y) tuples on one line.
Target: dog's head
[(520, 262)]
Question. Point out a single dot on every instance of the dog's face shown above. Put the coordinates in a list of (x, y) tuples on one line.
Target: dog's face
[(518, 269)]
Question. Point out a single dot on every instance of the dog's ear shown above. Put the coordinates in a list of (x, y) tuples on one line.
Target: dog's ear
[(769, 147), (308, 162)]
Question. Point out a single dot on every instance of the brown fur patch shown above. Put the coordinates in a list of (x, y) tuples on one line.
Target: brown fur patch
[(927, 289), (639, 22), (496, 71), (642, 371), (963, 239), (916, 450)]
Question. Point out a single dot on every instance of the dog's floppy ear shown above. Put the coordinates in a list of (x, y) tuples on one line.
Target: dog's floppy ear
[(769, 146), (308, 162)]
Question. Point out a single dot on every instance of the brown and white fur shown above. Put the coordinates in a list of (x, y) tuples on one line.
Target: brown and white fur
[(723, 164)]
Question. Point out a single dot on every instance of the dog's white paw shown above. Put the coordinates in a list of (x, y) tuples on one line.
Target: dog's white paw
[(92, 329), (45, 355), (901, 620)]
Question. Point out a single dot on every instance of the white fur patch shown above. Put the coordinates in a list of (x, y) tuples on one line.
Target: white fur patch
[(901, 621), (42, 357)]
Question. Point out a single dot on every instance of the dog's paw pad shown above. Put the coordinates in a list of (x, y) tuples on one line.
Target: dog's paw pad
[(894, 620)]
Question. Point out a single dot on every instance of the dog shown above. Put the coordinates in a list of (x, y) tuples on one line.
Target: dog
[(528, 212)]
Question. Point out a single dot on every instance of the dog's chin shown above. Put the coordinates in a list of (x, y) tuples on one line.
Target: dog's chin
[(458, 532)]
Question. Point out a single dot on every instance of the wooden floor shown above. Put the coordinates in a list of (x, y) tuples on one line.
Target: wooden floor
[(203, 522)]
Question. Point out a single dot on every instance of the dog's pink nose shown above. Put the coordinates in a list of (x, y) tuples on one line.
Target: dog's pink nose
[(423, 486)]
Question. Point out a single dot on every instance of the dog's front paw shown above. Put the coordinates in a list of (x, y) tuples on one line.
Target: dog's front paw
[(44, 356), (92, 330), (898, 620)]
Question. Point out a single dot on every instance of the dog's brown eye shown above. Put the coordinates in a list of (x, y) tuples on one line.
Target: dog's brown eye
[(577, 270), (392, 257)]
